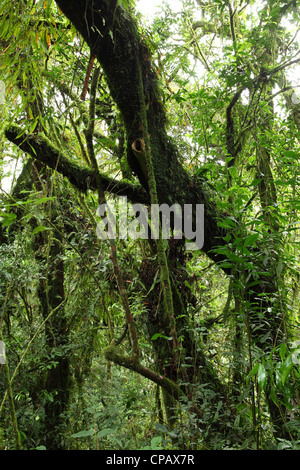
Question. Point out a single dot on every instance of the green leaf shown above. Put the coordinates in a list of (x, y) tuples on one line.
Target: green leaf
[(227, 223), (155, 441), (278, 375), (7, 218), (279, 268), (254, 370), (41, 200), (274, 13), (286, 369), (273, 396), (86, 433), (159, 335), (262, 376), (105, 432), (282, 351), (40, 228), (251, 239), (225, 265), (154, 282), (161, 427)]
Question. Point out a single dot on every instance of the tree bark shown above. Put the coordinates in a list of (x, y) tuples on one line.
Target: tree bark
[(112, 35), (80, 176)]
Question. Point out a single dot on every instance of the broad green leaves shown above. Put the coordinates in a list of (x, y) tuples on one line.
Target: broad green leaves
[(280, 372), (6, 218)]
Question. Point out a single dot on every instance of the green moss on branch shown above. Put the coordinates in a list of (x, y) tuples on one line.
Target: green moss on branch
[(172, 388), (83, 178)]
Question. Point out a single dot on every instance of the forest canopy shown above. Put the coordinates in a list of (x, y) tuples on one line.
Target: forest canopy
[(144, 339)]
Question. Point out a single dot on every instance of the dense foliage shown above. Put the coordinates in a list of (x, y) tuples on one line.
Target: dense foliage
[(136, 343)]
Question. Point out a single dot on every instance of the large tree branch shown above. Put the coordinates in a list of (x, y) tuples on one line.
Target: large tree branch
[(112, 35), (129, 363), (83, 178)]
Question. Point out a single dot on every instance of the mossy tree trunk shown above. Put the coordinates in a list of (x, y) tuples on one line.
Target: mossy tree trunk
[(51, 292), (112, 35)]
